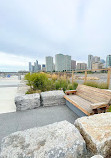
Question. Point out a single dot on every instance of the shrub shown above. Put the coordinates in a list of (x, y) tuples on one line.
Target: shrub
[(70, 87), (43, 82), (61, 84), (30, 78), (75, 84), (101, 85), (54, 77)]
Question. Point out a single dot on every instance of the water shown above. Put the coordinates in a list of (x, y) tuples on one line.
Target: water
[(8, 89)]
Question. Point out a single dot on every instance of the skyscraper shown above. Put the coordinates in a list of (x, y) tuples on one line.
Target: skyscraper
[(90, 60), (43, 67), (49, 64), (108, 61), (59, 62), (36, 68), (67, 62), (39, 67), (30, 67), (81, 66), (62, 62), (96, 59), (73, 64)]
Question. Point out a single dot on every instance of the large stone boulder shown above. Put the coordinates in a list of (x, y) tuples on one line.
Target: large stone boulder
[(28, 101), (96, 130), (52, 98), (58, 140)]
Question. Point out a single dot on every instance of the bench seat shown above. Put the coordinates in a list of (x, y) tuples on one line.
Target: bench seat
[(89, 100), (80, 103)]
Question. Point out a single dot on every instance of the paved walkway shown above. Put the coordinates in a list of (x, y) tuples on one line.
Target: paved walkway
[(7, 95), (8, 90), (16, 121)]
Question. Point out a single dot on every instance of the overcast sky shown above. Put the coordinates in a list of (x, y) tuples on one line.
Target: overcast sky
[(33, 29)]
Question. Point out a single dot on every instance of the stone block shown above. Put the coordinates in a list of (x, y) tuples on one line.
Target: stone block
[(28, 101), (96, 131), (52, 98), (58, 140)]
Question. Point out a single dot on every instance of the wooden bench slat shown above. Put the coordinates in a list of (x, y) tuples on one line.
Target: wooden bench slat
[(97, 90), (92, 95)]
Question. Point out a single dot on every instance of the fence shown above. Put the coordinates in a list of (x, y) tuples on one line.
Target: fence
[(86, 72)]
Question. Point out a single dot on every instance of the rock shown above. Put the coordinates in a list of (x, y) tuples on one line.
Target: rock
[(96, 131), (28, 101), (58, 140), (52, 98), (97, 156)]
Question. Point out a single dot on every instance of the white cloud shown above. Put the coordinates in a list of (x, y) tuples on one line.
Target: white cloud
[(15, 62), (39, 28)]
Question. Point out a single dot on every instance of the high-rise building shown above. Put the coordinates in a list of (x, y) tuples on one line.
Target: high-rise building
[(90, 60), (73, 64), (97, 65), (36, 68), (59, 62), (30, 67), (108, 61), (67, 62), (43, 67), (39, 67), (96, 59), (81, 66), (49, 64), (62, 62)]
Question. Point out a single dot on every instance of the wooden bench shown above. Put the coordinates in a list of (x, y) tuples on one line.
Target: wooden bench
[(88, 100)]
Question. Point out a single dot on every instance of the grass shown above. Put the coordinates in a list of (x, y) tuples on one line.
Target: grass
[(101, 85)]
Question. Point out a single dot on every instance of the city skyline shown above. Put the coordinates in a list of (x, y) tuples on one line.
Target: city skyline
[(44, 62), (35, 29), (66, 63)]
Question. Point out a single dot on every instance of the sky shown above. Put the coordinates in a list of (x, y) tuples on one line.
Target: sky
[(33, 29)]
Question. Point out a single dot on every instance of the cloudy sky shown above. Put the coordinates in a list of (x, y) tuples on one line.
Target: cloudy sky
[(33, 29)]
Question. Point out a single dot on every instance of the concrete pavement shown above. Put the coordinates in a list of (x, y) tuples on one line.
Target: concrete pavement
[(16, 121)]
